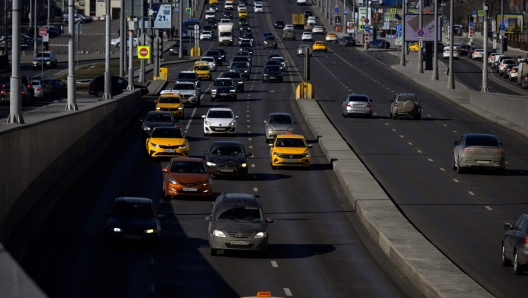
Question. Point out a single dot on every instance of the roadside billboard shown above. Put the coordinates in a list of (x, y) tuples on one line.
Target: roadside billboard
[(350, 27), (412, 27), (513, 22)]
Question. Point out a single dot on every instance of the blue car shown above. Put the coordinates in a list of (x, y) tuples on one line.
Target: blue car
[(379, 44)]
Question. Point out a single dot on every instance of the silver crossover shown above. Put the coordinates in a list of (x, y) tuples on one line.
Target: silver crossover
[(278, 124), (479, 151)]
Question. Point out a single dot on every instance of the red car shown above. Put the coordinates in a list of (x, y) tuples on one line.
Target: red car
[(186, 176)]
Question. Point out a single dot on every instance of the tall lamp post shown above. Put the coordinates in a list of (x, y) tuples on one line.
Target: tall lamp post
[(485, 50), (451, 75), (420, 24), (435, 45)]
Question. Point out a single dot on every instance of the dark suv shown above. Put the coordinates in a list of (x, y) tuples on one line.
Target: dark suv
[(514, 245), (237, 222), (118, 85)]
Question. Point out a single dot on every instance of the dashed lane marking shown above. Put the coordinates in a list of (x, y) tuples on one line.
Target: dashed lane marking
[(442, 169), (255, 189), (288, 292), (488, 207), (455, 180), (429, 159), (274, 264), (471, 193)]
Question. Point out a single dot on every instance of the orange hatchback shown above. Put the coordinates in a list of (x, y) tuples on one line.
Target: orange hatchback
[(186, 176)]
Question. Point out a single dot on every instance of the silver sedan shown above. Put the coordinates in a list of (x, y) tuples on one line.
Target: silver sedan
[(479, 151), (356, 104)]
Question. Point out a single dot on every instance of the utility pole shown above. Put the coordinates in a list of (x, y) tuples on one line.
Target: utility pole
[(142, 41), (485, 50), (180, 32), (404, 43), (122, 39), (71, 105), (35, 30), (501, 24), (420, 24), (49, 4), (107, 74), (15, 96), (451, 75), (435, 45), (130, 43), (368, 24)]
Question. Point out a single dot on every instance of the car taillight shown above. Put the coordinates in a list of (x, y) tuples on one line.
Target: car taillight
[(526, 78), (525, 240), (368, 105), (498, 151), (468, 150), (23, 92), (92, 85), (396, 104), (348, 105), (418, 104), (28, 86), (39, 88)]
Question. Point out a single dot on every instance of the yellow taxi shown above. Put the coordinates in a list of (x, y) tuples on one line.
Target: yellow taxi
[(290, 150), (242, 14), (414, 47), (331, 36), (167, 141), (213, 1), (319, 46), (170, 101), (201, 68)]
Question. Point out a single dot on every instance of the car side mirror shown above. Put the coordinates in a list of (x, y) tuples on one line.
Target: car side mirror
[(236, 117), (249, 154), (455, 143), (269, 220), (342, 99), (265, 121), (507, 226), (208, 218), (164, 170), (140, 120), (161, 216), (106, 214), (371, 100), (500, 144), (203, 116), (310, 146)]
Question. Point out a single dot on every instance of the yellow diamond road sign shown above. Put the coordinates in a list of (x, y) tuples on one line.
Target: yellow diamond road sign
[(143, 52)]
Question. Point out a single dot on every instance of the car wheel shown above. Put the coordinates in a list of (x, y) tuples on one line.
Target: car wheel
[(518, 269), (212, 251), (459, 168), (99, 93), (504, 261)]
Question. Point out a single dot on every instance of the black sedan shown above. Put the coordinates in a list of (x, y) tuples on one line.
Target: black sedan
[(464, 49), (54, 88), (272, 73), (379, 44), (247, 46), (223, 88), (227, 158), (235, 76), (279, 24), (133, 219), (347, 41), (155, 119)]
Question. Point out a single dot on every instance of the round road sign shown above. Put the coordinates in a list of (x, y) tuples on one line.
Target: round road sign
[(143, 52), (43, 31), (366, 21)]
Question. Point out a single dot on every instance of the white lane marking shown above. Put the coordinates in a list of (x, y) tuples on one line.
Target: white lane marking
[(506, 162), (190, 120), (455, 180), (401, 136), (386, 123), (250, 147), (252, 165), (454, 130), (288, 292), (442, 169), (471, 193), (247, 115), (274, 264), (247, 111), (249, 131), (248, 120), (249, 139), (429, 159), (410, 143), (419, 151), (488, 207), (152, 288), (255, 189), (393, 129), (249, 126), (151, 260)]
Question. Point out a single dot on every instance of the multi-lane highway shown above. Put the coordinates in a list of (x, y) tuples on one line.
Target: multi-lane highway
[(317, 245)]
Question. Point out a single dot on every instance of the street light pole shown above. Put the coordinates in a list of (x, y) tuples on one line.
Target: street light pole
[(366, 18), (404, 43), (451, 75), (485, 51), (107, 74), (501, 24), (71, 105), (15, 103), (435, 50), (420, 25), (48, 12)]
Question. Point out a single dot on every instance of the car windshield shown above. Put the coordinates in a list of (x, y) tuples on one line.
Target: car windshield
[(280, 119), (183, 86), (231, 75), (47, 81), (187, 76), (45, 55), (358, 98), (169, 133), (227, 150), (188, 167), (239, 65), (240, 58), (158, 117), (407, 97), (125, 209), (172, 99), (482, 140), (290, 142), (220, 114), (201, 67), (223, 83), (238, 213), (272, 68)]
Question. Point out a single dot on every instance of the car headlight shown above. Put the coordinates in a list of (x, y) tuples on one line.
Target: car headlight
[(210, 164), (154, 145), (232, 91), (180, 108), (217, 233), (172, 181), (276, 154), (213, 91), (244, 165), (232, 123), (307, 155), (207, 182), (183, 146), (290, 129), (117, 230), (245, 70), (207, 122), (149, 231), (266, 75), (260, 235), (146, 128), (270, 130)]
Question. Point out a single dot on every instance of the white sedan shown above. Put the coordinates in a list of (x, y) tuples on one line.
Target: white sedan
[(318, 29), (307, 36), (288, 27), (477, 54), (220, 121), (445, 53), (206, 35), (117, 42), (39, 91), (210, 61)]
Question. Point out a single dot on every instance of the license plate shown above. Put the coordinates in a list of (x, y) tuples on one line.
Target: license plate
[(239, 242), (223, 94), (190, 189), (133, 237), (272, 78), (483, 162), (290, 161), (226, 170), (360, 106), (220, 129), (169, 150)]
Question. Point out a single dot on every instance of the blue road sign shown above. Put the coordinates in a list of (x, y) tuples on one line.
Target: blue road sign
[(336, 9), (421, 32), (399, 28), (176, 10), (474, 13), (502, 27), (367, 29), (471, 24), (345, 12), (399, 34)]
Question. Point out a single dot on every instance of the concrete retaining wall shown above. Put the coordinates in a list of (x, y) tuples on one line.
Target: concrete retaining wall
[(511, 108), (34, 155)]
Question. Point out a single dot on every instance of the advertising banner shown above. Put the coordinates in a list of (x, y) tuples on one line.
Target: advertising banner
[(512, 22), (350, 27), (412, 27)]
